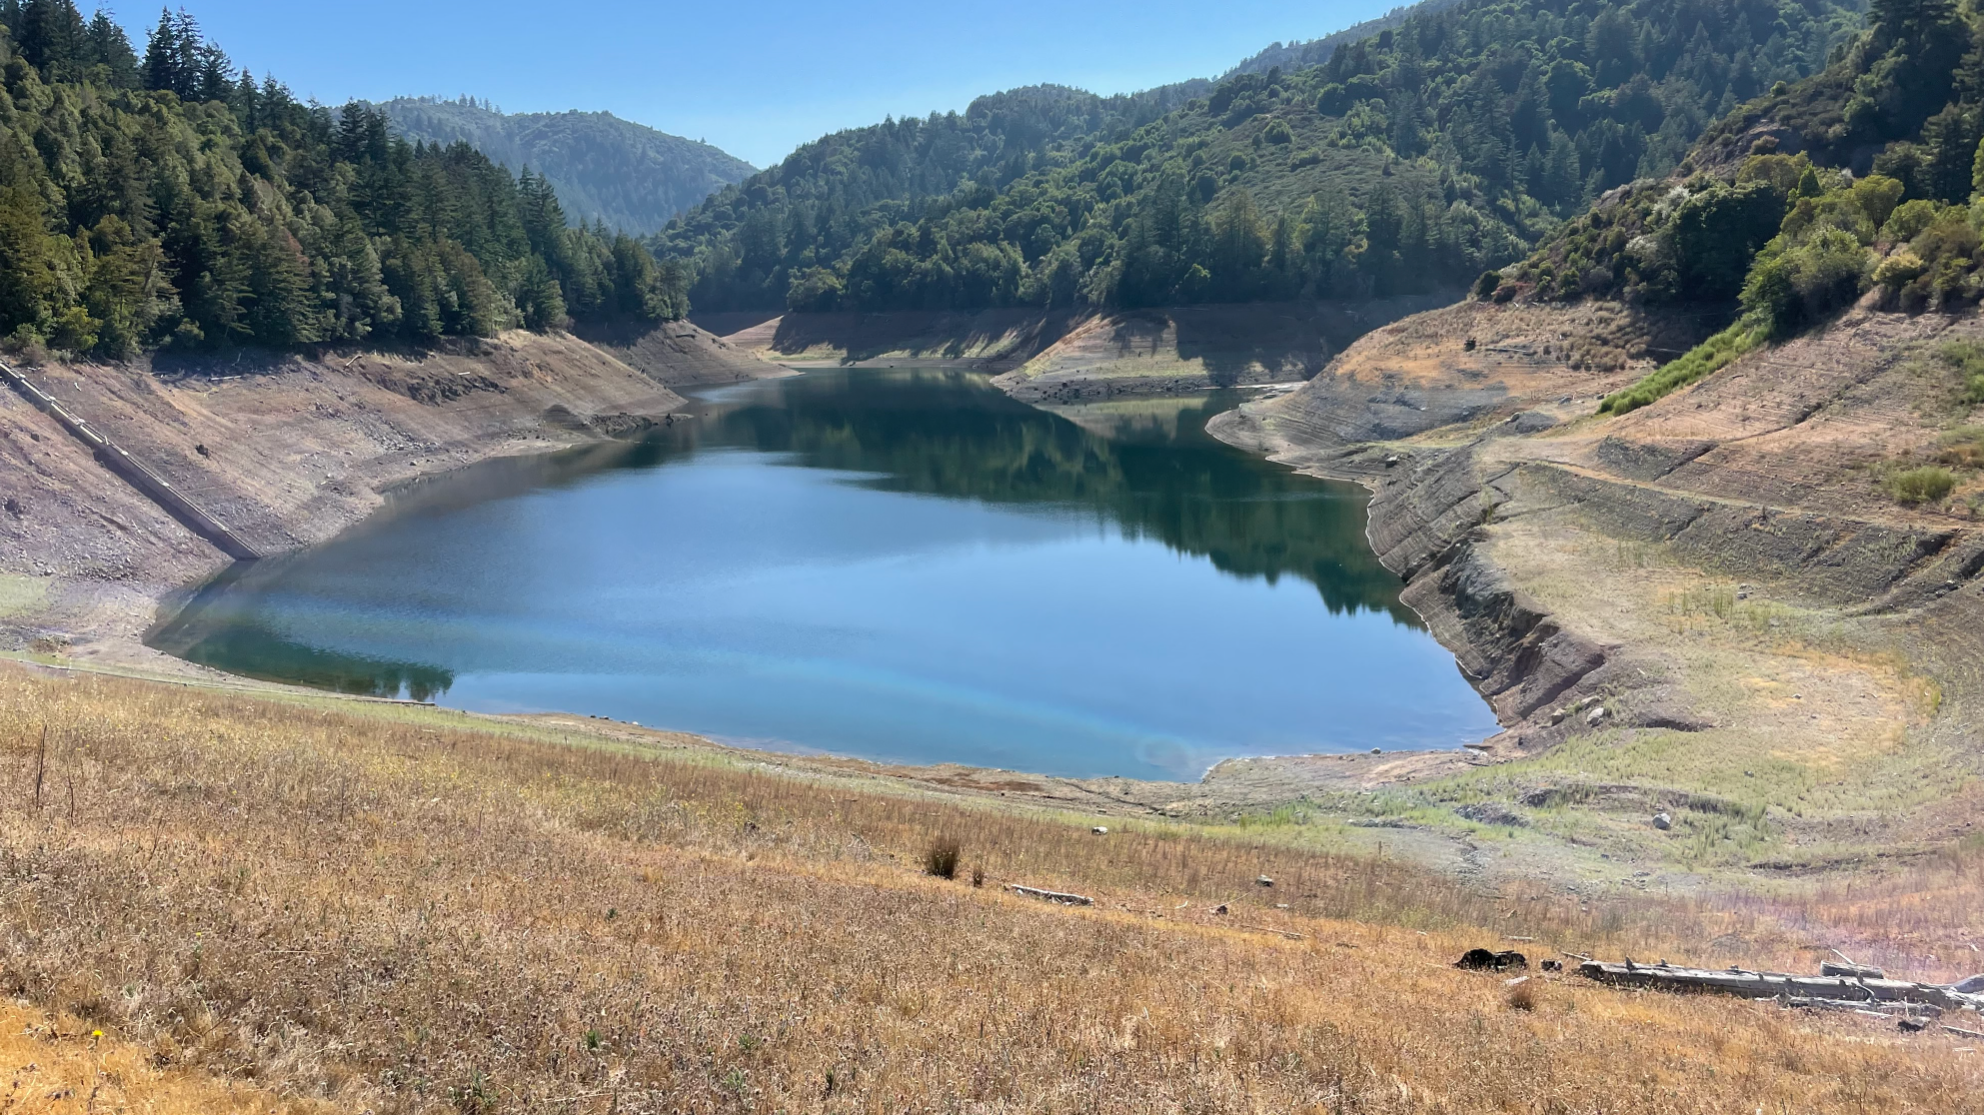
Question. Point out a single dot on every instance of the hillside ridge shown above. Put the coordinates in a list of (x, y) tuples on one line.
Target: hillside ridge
[(607, 170)]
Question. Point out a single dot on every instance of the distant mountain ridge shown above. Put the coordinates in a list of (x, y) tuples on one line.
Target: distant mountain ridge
[(606, 170)]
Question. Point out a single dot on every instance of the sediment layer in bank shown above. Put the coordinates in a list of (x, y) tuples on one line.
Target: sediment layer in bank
[(1711, 610), (287, 451)]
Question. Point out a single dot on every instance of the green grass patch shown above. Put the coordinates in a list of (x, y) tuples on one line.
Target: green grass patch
[(19, 595), (1704, 359)]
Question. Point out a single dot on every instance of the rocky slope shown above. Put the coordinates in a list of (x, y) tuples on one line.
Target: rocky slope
[(1711, 607), (287, 451)]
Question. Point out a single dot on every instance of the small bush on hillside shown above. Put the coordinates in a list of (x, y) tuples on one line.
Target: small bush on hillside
[(1933, 262), (942, 856), (1925, 484), (1962, 447), (1966, 359), (1801, 285)]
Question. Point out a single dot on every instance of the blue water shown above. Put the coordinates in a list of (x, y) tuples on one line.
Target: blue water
[(895, 564)]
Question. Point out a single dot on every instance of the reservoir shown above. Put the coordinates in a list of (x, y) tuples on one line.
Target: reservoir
[(895, 564)]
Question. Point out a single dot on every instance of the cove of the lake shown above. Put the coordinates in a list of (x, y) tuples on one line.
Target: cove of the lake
[(896, 564)]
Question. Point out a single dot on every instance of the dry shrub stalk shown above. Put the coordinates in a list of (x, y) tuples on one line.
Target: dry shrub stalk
[(941, 857)]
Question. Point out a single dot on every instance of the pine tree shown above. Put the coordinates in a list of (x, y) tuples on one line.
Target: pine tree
[(53, 39), (212, 74), (163, 55), (128, 293), (30, 275), (111, 49), (539, 299)]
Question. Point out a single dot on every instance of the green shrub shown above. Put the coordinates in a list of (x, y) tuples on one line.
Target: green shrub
[(1966, 359), (1796, 286), (1910, 218), (1704, 359), (1925, 484)]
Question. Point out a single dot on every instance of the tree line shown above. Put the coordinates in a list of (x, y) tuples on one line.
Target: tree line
[(172, 200)]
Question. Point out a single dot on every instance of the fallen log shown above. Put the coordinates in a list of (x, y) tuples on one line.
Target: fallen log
[(1864, 1006), (1853, 990), (1051, 895)]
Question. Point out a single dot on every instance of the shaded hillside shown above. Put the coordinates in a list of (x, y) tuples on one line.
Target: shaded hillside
[(606, 170)]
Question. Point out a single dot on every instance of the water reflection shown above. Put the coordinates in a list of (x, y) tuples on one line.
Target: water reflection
[(903, 564)]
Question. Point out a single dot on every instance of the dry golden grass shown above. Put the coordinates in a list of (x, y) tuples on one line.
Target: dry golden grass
[(348, 907), (65, 1066)]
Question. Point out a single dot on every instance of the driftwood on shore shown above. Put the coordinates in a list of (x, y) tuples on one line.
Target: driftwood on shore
[(1849, 992), (1051, 895)]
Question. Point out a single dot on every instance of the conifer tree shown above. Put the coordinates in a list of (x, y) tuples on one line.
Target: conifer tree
[(53, 39), (111, 49), (163, 57)]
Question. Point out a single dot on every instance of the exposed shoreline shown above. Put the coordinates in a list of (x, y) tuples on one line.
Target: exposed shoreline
[(1233, 786), (1489, 502)]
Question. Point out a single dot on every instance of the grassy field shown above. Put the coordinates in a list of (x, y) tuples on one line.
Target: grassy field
[(212, 902)]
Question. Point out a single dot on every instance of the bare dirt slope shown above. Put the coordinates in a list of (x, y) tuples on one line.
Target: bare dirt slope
[(678, 353), (1711, 607), (1193, 348), (1061, 356), (286, 451), (994, 340)]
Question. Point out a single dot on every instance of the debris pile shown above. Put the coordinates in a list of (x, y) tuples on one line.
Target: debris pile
[(1860, 988), (1840, 987)]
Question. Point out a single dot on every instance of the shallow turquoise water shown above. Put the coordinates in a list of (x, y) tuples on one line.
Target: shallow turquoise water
[(896, 564)]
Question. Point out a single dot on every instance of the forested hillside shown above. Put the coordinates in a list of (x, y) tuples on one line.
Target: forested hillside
[(607, 171), (172, 200), (1861, 177), (834, 194), (1410, 161)]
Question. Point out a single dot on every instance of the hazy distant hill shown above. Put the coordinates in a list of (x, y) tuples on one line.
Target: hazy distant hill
[(604, 168)]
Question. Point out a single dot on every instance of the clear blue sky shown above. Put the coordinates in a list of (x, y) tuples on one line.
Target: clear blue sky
[(756, 79)]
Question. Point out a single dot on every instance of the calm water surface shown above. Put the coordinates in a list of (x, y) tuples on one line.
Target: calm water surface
[(896, 564)]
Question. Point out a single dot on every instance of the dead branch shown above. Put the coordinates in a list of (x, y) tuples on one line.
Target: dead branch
[(1051, 895), (40, 767)]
